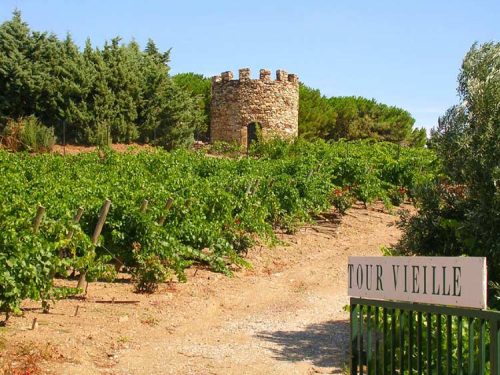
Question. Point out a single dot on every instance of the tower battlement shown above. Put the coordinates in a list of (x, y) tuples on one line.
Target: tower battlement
[(264, 75), (240, 104)]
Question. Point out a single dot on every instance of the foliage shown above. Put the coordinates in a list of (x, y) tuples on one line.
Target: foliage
[(200, 89), (355, 118), (150, 272), (27, 134), (28, 260), (220, 206), (232, 149), (179, 122), (95, 96), (316, 115), (460, 213)]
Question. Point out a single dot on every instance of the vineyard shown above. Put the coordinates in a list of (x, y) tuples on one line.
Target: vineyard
[(169, 211)]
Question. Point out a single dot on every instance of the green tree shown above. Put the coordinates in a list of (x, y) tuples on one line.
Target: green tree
[(122, 77), (16, 83), (355, 118), (316, 116), (154, 81), (97, 96), (77, 78), (199, 88), (461, 214), (179, 118), (99, 100)]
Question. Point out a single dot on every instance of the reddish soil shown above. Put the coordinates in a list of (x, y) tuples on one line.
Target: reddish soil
[(119, 147), (284, 316)]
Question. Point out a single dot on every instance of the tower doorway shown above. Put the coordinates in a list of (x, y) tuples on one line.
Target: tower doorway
[(253, 131)]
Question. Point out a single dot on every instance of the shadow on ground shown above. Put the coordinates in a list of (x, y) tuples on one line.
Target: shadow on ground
[(324, 344)]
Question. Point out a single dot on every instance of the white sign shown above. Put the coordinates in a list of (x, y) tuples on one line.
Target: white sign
[(454, 281)]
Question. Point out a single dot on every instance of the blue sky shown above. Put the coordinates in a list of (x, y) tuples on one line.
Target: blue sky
[(402, 53)]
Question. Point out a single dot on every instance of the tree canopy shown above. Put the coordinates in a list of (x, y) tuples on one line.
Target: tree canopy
[(199, 87), (460, 214), (350, 117), (117, 93)]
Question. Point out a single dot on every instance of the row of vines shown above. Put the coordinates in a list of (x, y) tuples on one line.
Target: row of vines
[(200, 209)]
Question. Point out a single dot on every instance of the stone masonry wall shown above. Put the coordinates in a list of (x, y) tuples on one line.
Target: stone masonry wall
[(236, 103)]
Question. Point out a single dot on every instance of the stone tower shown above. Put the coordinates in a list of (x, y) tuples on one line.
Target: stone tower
[(240, 108)]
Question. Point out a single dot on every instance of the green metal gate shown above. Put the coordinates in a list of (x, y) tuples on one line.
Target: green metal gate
[(413, 338)]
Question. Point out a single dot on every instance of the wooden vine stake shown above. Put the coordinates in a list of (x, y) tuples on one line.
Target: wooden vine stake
[(97, 232), (144, 205), (38, 218), (162, 218), (252, 187), (76, 220)]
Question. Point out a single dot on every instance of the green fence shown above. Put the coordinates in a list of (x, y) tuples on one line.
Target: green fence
[(410, 338)]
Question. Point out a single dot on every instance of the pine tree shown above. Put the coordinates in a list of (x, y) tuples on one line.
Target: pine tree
[(16, 84)]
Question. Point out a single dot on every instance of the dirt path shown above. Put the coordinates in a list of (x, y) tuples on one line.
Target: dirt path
[(283, 317)]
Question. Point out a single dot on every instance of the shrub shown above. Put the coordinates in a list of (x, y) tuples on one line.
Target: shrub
[(342, 199), (226, 148), (396, 195), (28, 134), (99, 136), (149, 273), (460, 214)]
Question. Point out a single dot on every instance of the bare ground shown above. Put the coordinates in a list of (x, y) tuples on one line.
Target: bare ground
[(71, 149), (285, 316)]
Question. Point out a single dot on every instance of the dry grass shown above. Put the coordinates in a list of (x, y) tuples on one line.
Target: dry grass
[(26, 358)]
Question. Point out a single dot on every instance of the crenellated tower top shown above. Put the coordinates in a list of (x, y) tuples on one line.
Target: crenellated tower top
[(264, 75)]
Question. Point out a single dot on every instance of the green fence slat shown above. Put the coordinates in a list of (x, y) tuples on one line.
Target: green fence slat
[(494, 347), (482, 347), (410, 342), (393, 342), (354, 362), (459, 345), (471, 346), (496, 353), (369, 329), (385, 341), (360, 339), (449, 348), (376, 330), (419, 343), (439, 344), (429, 342), (401, 341)]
